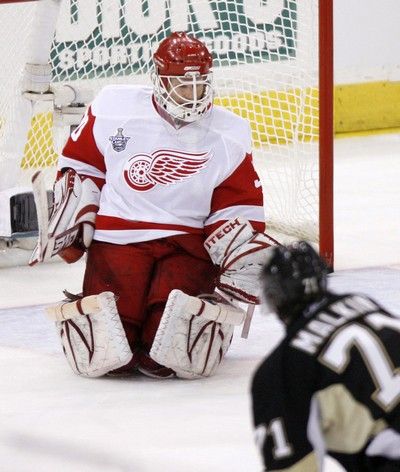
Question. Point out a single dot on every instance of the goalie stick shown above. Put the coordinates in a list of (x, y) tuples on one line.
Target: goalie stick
[(42, 212), (247, 321), (226, 298)]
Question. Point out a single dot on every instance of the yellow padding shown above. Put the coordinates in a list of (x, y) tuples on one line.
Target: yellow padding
[(277, 117), (39, 149), (368, 106)]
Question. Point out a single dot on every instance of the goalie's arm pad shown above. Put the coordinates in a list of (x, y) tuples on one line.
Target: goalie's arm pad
[(72, 219), (240, 253)]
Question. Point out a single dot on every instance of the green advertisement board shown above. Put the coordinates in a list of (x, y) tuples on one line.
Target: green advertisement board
[(96, 40)]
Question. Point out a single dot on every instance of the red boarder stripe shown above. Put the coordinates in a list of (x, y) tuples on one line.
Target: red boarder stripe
[(104, 222)]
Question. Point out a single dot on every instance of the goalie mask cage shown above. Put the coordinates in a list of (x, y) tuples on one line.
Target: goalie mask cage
[(272, 65)]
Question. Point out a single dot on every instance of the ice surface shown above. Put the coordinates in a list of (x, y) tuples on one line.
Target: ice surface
[(52, 420)]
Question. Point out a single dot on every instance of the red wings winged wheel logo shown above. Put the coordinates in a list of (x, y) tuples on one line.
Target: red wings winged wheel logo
[(164, 167)]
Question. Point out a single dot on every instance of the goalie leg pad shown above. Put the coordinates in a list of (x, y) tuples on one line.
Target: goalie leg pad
[(194, 335), (93, 340)]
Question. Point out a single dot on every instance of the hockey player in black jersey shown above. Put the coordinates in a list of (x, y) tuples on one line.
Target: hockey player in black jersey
[(332, 386)]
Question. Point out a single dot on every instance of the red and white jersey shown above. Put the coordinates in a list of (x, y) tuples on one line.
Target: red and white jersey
[(156, 180)]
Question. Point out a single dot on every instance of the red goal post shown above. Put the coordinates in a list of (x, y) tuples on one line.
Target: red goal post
[(326, 132), (273, 66)]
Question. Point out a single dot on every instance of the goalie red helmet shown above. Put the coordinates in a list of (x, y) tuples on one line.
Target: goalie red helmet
[(182, 77), (180, 53), (294, 277)]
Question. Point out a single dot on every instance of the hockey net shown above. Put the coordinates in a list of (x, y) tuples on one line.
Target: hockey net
[(267, 69)]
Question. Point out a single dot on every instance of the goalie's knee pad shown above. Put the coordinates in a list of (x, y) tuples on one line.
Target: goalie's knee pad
[(194, 335), (92, 335)]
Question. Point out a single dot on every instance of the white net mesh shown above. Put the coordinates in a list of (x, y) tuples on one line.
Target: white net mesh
[(266, 67)]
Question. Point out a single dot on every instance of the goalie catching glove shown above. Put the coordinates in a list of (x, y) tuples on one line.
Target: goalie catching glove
[(240, 253), (71, 224)]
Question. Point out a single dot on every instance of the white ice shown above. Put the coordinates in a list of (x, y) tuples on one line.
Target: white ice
[(52, 420)]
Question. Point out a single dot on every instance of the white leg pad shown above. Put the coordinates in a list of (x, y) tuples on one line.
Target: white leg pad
[(194, 335), (92, 335)]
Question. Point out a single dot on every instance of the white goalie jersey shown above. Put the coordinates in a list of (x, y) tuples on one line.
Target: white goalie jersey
[(159, 181)]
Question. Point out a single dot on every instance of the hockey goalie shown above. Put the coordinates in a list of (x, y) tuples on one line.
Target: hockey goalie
[(157, 187)]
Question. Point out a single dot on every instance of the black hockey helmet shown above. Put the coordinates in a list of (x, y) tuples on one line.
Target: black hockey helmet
[(293, 277)]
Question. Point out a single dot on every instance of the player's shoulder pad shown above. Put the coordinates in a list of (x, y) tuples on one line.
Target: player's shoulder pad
[(233, 127), (120, 100)]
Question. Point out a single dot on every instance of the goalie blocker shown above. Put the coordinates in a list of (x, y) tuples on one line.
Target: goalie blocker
[(70, 228)]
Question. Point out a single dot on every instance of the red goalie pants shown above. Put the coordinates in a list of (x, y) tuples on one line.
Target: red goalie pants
[(142, 275)]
